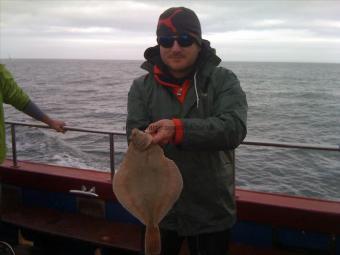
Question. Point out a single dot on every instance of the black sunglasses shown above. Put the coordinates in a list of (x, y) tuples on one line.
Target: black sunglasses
[(183, 40)]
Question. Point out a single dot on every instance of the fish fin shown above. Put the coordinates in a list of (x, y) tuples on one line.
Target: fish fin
[(152, 240)]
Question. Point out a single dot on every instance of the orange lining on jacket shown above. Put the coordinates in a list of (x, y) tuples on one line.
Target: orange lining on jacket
[(179, 91)]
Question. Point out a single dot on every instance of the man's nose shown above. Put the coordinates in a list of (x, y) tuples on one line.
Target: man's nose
[(176, 46)]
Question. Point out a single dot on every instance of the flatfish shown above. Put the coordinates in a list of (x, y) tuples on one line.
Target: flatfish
[(147, 184)]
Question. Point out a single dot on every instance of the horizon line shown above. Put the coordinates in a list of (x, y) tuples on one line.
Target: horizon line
[(118, 59)]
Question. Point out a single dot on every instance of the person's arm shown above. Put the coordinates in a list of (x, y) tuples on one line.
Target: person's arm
[(34, 111), (14, 95)]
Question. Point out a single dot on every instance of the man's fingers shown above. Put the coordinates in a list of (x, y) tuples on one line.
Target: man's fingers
[(162, 131), (152, 128)]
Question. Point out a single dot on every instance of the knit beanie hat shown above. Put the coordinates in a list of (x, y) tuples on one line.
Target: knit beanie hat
[(179, 20)]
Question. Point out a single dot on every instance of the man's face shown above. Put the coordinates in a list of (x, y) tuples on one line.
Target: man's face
[(179, 59)]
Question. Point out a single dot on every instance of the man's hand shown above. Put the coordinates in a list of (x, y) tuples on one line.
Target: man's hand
[(162, 131)]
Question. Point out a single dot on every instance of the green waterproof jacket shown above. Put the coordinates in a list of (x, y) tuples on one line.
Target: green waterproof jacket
[(214, 122), (10, 93)]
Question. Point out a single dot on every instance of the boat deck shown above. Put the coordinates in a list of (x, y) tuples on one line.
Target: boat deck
[(31, 204), (234, 250), (125, 238)]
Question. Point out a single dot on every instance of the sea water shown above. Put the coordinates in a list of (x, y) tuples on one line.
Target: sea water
[(288, 102)]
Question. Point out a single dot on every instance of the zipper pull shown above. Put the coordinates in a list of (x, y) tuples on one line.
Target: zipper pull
[(179, 92)]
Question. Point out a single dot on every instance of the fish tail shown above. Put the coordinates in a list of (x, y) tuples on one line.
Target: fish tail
[(152, 240)]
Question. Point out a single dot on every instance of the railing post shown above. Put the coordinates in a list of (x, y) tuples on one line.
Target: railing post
[(112, 156), (14, 146)]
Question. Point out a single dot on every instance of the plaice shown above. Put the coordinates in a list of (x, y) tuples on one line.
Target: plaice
[(147, 184)]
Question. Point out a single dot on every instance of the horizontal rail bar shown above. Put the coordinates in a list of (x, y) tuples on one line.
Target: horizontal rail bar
[(256, 143), (323, 147), (111, 133), (69, 128)]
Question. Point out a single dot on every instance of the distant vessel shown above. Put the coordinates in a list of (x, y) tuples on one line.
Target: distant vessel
[(74, 211)]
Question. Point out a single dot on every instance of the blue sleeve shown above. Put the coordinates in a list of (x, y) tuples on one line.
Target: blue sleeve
[(34, 111)]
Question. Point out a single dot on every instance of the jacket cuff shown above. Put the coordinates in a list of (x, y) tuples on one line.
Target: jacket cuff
[(179, 131)]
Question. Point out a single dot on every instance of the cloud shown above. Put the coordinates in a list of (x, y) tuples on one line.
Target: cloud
[(268, 23), (271, 36), (118, 15), (73, 29)]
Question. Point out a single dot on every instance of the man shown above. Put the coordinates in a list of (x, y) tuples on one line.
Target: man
[(11, 93), (198, 112)]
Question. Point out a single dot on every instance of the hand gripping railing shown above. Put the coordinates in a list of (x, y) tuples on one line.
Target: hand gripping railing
[(111, 135)]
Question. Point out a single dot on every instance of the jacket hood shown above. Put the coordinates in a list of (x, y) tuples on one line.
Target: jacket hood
[(207, 58)]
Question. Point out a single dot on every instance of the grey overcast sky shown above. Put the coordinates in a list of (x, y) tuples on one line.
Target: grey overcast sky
[(269, 30)]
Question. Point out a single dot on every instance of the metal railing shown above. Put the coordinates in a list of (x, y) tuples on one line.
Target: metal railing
[(112, 133), (323, 147)]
